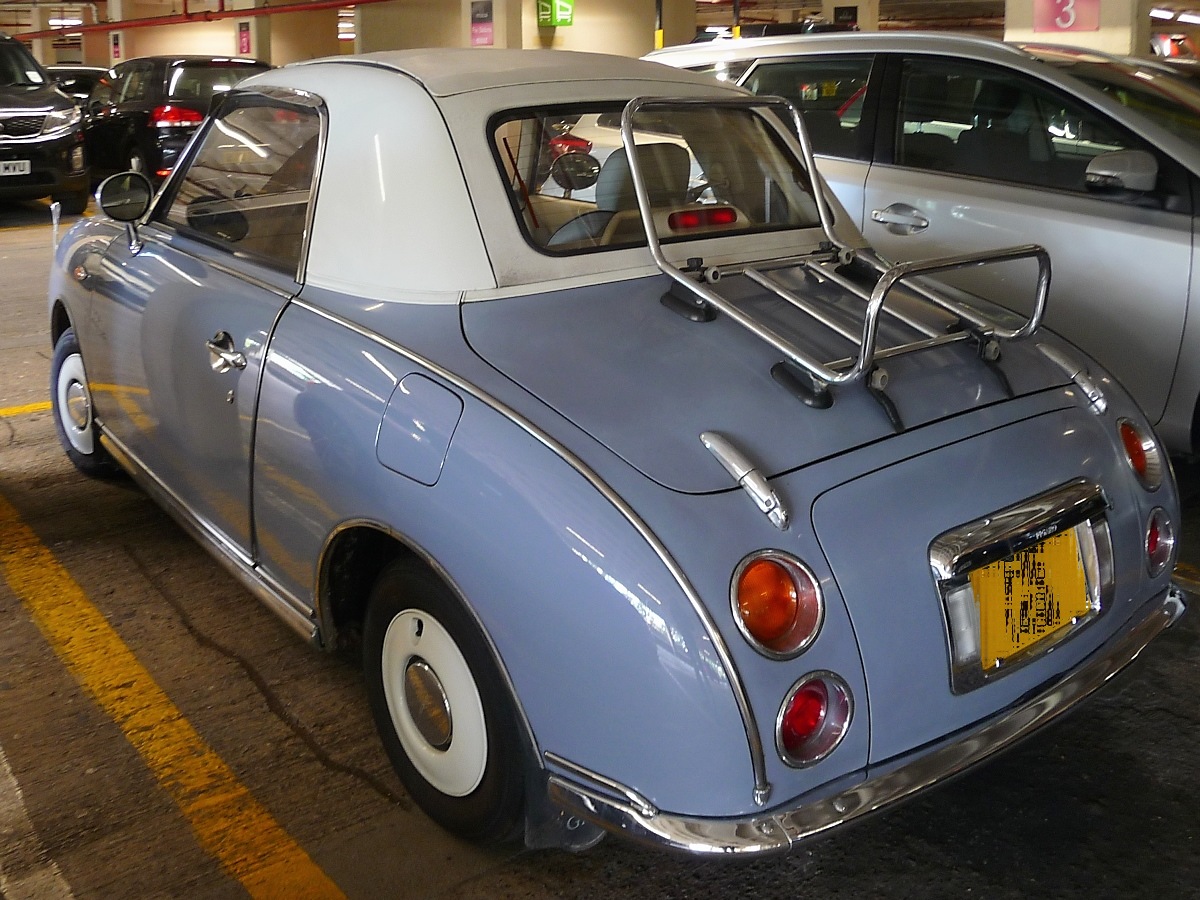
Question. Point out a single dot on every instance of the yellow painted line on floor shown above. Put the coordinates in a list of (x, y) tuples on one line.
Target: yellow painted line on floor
[(228, 822), (10, 411)]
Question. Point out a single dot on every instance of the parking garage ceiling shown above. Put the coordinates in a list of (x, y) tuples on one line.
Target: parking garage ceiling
[(15, 15)]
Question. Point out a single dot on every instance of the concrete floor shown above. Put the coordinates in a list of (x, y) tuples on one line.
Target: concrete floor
[(1106, 804)]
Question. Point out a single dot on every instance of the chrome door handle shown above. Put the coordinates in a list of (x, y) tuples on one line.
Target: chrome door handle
[(900, 218), (223, 355)]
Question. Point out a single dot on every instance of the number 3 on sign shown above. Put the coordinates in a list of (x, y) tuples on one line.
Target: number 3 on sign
[(1066, 15)]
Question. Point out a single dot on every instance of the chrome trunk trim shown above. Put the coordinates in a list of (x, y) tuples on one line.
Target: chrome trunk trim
[(885, 784)]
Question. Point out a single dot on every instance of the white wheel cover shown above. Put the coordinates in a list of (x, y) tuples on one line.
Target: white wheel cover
[(71, 373), (457, 770)]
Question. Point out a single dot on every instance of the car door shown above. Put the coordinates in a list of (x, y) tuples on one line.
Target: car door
[(188, 311), (831, 93), (974, 156)]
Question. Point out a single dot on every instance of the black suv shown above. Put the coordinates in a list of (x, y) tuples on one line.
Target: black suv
[(142, 114), (41, 145)]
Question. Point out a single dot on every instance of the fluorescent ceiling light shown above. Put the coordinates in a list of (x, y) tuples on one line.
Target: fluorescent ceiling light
[(1189, 18), (1162, 13), (65, 23)]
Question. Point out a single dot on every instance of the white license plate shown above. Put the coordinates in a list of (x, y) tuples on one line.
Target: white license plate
[(14, 167)]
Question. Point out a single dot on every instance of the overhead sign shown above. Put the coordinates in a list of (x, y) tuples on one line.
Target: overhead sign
[(552, 13), (1066, 15)]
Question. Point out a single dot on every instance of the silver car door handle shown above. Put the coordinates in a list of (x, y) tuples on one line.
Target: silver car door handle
[(900, 218), (885, 217), (223, 355)]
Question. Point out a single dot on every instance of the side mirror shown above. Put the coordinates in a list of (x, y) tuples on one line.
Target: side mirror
[(1122, 170), (575, 171), (125, 197)]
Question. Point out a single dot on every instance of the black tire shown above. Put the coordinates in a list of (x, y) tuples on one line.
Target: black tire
[(73, 204), (462, 760), (71, 400)]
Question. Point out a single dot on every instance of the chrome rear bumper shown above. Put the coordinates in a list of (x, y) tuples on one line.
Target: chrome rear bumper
[(889, 783)]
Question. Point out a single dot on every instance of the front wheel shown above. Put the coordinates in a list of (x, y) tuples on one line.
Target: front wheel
[(71, 399), (441, 707)]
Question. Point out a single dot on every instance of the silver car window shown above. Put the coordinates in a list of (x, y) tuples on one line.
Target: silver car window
[(828, 91), (966, 119), (708, 171), (248, 186)]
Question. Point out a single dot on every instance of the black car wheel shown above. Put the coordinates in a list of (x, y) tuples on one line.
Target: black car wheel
[(73, 204), (71, 399), (441, 707)]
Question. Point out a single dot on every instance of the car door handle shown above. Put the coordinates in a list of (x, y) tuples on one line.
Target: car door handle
[(223, 354), (900, 218)]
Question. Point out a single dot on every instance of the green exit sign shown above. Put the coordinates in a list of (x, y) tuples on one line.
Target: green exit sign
[(552, 13)]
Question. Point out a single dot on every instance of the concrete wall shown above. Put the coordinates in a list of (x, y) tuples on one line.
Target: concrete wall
[(409, 23), (304, 35), (612, 26)]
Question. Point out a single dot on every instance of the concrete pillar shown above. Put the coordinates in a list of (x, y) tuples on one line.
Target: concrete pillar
[(864, 12), (42, 48), (1112, 26), (94, 47)]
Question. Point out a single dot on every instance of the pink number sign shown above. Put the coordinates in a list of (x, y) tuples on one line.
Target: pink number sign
[(1066, 15)]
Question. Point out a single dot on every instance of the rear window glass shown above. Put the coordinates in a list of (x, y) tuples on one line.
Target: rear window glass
[(708, 171), (198, 83)]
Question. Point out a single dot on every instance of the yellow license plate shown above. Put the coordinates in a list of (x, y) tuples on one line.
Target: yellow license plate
[(1029, 596)]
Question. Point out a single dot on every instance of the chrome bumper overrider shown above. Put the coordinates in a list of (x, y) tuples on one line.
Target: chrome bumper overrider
[(889, 783)]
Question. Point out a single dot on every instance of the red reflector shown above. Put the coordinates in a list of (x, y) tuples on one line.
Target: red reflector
[(162, 173), (175, 116), (803, 717), (569, 143), (689, 219), (1152, 539)]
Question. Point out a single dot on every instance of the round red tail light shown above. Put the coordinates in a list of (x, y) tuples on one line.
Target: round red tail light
[(1160, 542), (777, 604), (1142, 454), (813, 719)]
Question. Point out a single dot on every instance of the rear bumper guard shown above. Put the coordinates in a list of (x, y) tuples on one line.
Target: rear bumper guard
[(889, 783)]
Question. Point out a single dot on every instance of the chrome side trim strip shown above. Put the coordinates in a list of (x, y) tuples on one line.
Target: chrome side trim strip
[(762, 787), (897, 780), (293, 611)]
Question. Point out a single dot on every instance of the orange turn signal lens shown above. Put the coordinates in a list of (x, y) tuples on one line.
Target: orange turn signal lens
[(777, 604), (1141, 451)]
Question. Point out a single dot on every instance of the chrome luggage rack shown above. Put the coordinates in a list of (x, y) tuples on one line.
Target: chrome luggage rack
[(825, 263)]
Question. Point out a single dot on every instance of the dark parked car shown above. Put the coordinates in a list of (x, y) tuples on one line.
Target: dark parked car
[(77, 81), (142, 114), (41, 146)]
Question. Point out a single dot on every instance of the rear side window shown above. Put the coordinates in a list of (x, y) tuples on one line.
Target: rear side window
[(248, 187), (197, 83), (828, 91)]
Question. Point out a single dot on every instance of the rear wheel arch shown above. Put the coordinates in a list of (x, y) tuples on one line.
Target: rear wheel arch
[(362, 569)]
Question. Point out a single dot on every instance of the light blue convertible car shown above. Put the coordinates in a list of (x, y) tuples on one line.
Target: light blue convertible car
[(657, 503)]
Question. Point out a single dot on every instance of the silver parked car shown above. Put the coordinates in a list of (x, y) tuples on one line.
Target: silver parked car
[(657, 510), (945, 144)]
